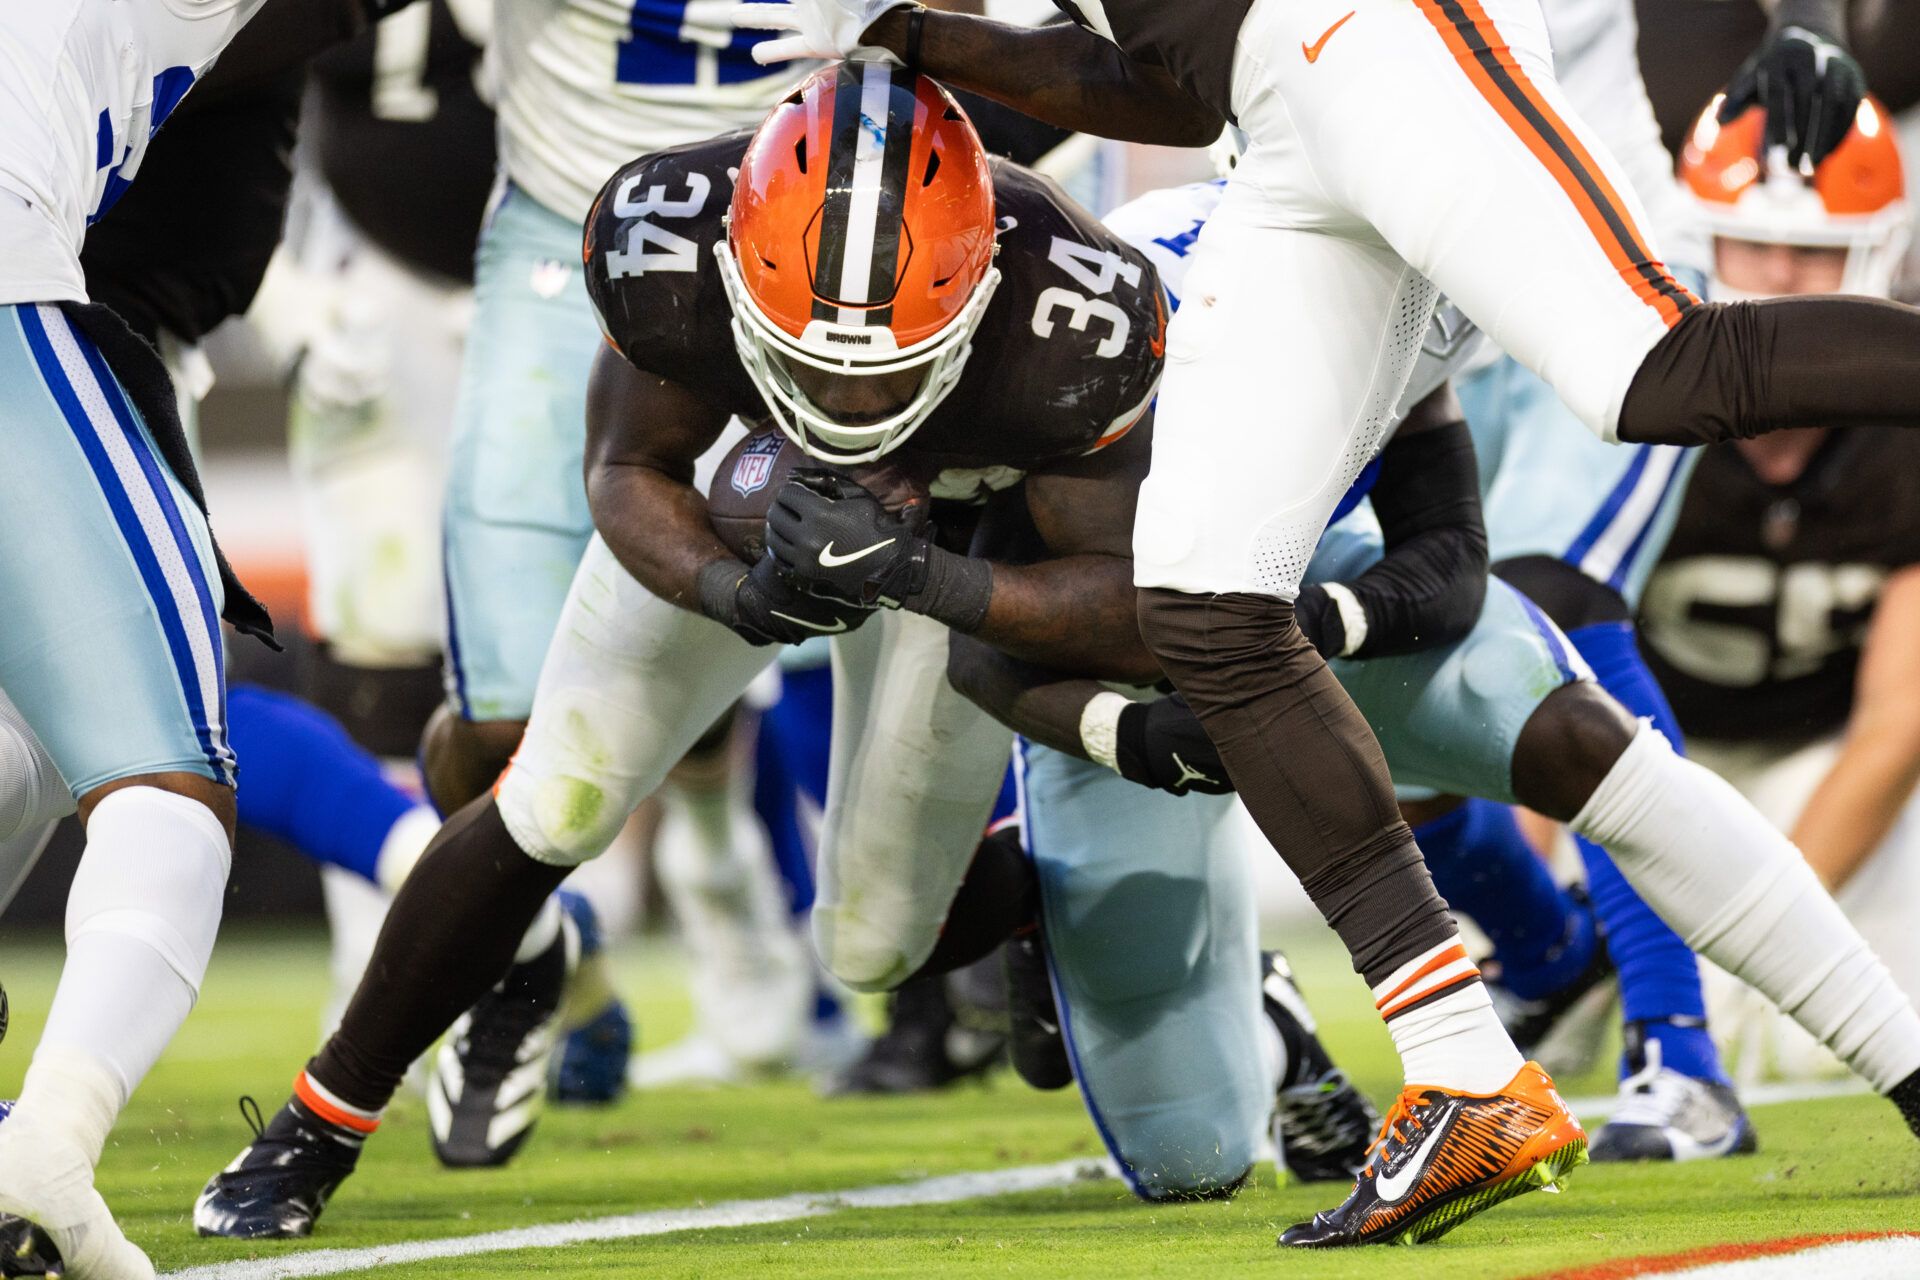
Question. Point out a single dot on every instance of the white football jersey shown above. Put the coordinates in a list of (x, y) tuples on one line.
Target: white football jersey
[(1164, 225), (84, 84), (585, 86)]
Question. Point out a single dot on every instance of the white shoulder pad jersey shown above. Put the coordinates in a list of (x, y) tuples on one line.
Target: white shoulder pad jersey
[(1164, 225), (84, 85), (587, 86)]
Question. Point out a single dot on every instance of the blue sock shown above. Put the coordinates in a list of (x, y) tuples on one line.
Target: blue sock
[(310, 784), (790, 761), (1484, 867), (1659, 977)]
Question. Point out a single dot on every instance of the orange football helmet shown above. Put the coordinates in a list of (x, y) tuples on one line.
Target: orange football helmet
[(1855, 200), (860, 243)]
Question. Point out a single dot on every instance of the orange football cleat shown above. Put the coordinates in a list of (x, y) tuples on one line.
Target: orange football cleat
[(1443, 1157)]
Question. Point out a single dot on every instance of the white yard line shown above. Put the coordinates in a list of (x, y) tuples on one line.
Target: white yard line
[(631, 1226), (1759, 1095)]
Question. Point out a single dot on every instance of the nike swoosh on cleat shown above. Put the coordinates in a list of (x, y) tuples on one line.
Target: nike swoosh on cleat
[(828, 560), (839, 624), (1394, 1187), (1313, 50)]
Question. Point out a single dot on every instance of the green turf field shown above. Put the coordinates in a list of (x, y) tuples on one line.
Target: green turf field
[(1839, 1165)]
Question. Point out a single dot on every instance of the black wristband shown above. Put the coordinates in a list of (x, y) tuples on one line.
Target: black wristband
[(1320, 619), (1130, 744), (958, 591), (916, 26), (718, 588)]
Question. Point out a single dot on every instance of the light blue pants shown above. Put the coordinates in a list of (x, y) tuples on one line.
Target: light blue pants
[(110, 601), (517, 521), (1151, 928), (1155, 953), (1448, 719), (1553, 488)]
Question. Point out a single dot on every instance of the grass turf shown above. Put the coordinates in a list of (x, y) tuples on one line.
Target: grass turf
[(1839, 1165)]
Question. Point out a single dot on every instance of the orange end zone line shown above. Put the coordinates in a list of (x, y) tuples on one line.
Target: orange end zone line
[(1659, 1264)]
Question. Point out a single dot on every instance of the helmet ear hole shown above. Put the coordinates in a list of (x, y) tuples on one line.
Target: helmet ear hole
[(933, 167), (800, 153)]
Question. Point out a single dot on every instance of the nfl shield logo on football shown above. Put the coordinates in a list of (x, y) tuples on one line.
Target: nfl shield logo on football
[(754, 468)]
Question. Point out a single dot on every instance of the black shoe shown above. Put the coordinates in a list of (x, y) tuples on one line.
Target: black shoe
[(1035, 1041), (276, 1188), (490, 1076), (1322, 1125), (923, 1048)]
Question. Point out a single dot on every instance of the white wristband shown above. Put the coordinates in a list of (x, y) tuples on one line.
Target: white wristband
[(1100, 728), (1353, 617)]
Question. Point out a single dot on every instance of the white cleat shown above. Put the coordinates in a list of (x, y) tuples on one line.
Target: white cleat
[(52, 1221), (1665, 1115)]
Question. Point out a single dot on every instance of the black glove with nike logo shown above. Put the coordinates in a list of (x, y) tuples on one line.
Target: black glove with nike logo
[(1161, 744), (1806, 80), (836, 540), (761, 606)]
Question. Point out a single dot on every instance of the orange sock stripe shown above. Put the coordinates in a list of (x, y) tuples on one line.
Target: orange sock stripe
[(310, 1098), (1489, 63), (1452, 955), (1418, 996)]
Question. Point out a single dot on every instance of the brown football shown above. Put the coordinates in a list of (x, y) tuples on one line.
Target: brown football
[(752, 473)]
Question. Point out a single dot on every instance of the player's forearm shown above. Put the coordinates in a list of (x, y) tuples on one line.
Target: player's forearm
[(1075, 613), (1041, 706), (1060, 74), (657, 528), (1858, 802)]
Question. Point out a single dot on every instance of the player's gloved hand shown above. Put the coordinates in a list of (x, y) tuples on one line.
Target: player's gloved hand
[(1810, 87), (762, 606), (1319, 619), (827, 30), (1161, 744), (836, 539)]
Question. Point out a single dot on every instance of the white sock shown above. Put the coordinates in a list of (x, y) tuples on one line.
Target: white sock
[(141, 918), (1454, 1041), (541, 933), (1741, 895)]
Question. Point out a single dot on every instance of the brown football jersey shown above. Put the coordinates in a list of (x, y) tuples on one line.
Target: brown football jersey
[(1755, 617)]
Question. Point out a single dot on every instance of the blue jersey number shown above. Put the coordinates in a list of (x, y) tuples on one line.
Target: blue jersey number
[(169, 87), (658, 51)]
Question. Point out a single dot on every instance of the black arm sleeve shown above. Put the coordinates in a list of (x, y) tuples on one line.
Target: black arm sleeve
[(1428, 589)]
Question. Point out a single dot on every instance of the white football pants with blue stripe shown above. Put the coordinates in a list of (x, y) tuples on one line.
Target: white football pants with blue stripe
[(110, 642), (1150, 927)]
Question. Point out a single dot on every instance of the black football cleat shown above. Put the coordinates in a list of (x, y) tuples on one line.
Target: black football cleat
[(1035, 1040), (1442, 1157), (1322, 1125), (923, 1048), (490, 1075), (276, 1187)]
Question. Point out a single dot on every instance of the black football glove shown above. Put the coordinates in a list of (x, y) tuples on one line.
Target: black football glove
[(1319, 618), (836, 540), (762, 607), (1161, 744), (1810, 87)]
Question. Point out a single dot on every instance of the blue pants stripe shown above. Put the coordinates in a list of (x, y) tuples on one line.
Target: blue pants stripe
[(145, 556)]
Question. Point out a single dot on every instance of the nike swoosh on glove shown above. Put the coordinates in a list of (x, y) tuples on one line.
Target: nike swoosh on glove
[(1810, 87), (835, 539), (1161, 744), (827, 30)]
